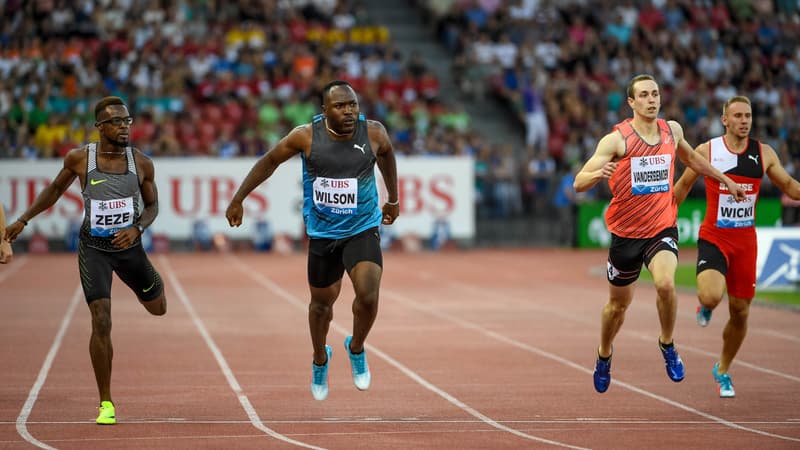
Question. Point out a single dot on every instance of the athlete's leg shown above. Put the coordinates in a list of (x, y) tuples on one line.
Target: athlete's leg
[(710, 288), (320, 314), (613, 316), (662, 266), (735, 331), (366, 278), (712, 266), (100, 349), (134, 268), (363, 259), (325, 271), (157, 306)]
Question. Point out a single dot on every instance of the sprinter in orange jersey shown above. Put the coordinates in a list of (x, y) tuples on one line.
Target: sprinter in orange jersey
[(727, 244), (638, 159)]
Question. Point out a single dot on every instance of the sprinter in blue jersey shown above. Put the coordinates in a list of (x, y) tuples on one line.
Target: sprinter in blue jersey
[(339, 149)]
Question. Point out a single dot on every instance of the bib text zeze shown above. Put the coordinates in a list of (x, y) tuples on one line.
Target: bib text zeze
[(650, 174), (110, 216), (336, 195)]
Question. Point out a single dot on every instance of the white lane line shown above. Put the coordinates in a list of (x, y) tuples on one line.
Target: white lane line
[(223, 364), (627, 332), (269, 284), (499, 337), (776, 334), (22, 419), (417, 421)]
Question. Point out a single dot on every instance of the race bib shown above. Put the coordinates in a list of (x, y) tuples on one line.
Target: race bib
[(336, 195), (110, 216), (650, 174), (731, 214)]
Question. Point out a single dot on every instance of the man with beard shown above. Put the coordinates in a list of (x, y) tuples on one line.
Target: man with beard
[(120, 201), (339, 150)]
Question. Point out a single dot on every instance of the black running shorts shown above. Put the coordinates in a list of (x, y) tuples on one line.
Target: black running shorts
[(626, 255), (131, 266), (329, 258)]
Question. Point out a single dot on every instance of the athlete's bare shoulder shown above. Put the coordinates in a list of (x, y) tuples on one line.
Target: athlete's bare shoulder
[(379, 137), (612, 145), (76, 159), (143, 162), (375, 125), (302, 129), (299, 137), (677, 129)]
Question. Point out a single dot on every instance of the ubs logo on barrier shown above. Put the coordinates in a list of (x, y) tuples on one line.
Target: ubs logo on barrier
[(782, 266)]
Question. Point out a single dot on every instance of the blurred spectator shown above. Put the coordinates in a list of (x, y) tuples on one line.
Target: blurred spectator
[(585, 53), (204, 78)]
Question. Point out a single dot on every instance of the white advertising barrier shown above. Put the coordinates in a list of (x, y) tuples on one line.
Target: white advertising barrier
[(778, 260), (199, 189)]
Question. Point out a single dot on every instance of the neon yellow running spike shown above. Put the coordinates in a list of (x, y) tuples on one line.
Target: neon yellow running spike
[(106, 416)]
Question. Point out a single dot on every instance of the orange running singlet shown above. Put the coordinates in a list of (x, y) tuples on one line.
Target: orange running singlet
[(642, 204)]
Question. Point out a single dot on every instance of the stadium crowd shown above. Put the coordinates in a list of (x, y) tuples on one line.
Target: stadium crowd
[(228, 78), (562, 66), (207, 78)]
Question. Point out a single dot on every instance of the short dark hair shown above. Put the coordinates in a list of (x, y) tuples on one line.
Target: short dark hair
[(637, 79), (107, 101), (327, 88)]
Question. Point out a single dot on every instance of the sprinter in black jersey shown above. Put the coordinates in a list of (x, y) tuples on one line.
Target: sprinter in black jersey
[(120, 201)]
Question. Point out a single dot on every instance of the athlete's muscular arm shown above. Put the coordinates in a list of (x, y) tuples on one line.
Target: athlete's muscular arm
[(74, 167), (298, 140), (384, 153), (147, 186), (777, 174), (602, 164), (700, 164), (689, 177)]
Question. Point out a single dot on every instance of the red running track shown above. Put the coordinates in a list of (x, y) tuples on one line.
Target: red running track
[(483, 349)]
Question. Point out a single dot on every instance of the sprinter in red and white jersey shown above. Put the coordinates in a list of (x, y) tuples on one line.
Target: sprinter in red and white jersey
[(727, 246)]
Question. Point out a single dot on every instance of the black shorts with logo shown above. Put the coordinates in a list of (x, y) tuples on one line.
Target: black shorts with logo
[(329, 258), (131, 266), (626, 255)]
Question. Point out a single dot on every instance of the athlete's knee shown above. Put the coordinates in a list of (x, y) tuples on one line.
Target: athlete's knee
[(665, 287), (709, 298), (156, 306), (321, 310), (367, 299), (739, 310), (101, 324), (615, 308)]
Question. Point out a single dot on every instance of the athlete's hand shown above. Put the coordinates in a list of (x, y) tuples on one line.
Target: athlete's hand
[(6, 253), (234, 213), (390, 213), (13, 230), (126, 237), (608, 169), (736, 191)]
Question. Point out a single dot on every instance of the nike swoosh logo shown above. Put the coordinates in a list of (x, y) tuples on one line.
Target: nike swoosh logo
[(151, 287), (94, 182)]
